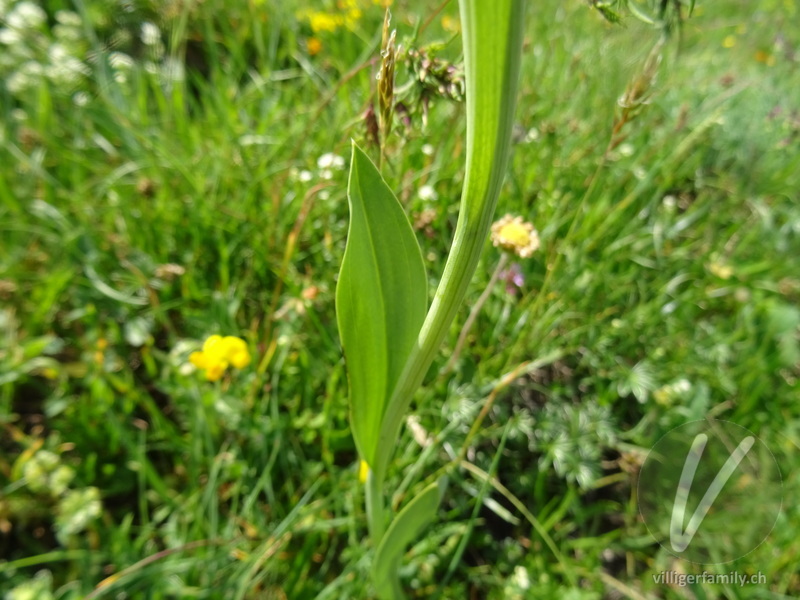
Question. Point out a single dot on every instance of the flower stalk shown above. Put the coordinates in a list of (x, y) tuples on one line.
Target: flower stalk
[(389, 335), (492, 37)]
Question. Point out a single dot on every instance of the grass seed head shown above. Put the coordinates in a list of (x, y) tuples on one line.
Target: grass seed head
[(386, 76)]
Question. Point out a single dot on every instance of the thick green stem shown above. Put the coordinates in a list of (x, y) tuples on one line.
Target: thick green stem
[(376, 513), (492, 35), (376, 520)]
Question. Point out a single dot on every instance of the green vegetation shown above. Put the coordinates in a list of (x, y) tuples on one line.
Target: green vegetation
[(163, 183)]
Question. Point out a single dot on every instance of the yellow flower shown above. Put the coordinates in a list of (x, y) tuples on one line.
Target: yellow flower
[(765, 57), (322, 21), (218, 354), (721, 270), (215, 371), (451, 24), (237, 352), (515, 235), (352, 17), (363, 471), (347, 14), (314, 46)]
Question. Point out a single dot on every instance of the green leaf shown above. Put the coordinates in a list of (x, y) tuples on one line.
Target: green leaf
[(381, 299), (405, 528)]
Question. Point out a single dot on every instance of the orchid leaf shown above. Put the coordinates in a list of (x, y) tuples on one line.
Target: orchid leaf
[(381, 299), (405, 528)]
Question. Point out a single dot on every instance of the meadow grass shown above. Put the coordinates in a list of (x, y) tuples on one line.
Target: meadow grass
[(665, 290)]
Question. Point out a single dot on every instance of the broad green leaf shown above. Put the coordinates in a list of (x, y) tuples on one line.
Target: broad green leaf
[(405, 528), (381, 299)]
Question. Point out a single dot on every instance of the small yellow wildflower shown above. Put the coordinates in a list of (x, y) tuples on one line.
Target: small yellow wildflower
[(321, 21), (363, 471), (451, 24), (352, 17), (515, 235), (720, 269), (729, 41), (347, 14), (314, 46), (765, 57), (219, 353), (99, 353)]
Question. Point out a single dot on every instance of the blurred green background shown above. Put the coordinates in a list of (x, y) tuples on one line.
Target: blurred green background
[(172, 170)]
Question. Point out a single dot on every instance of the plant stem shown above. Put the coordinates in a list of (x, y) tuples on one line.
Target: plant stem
[(376, 520), (492, 35), (473, 314), (492, 53), (376, 514)]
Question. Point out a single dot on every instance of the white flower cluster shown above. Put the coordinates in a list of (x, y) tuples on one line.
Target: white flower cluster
[(327, 164), (26, 15), (427, 193), (31, 52)]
